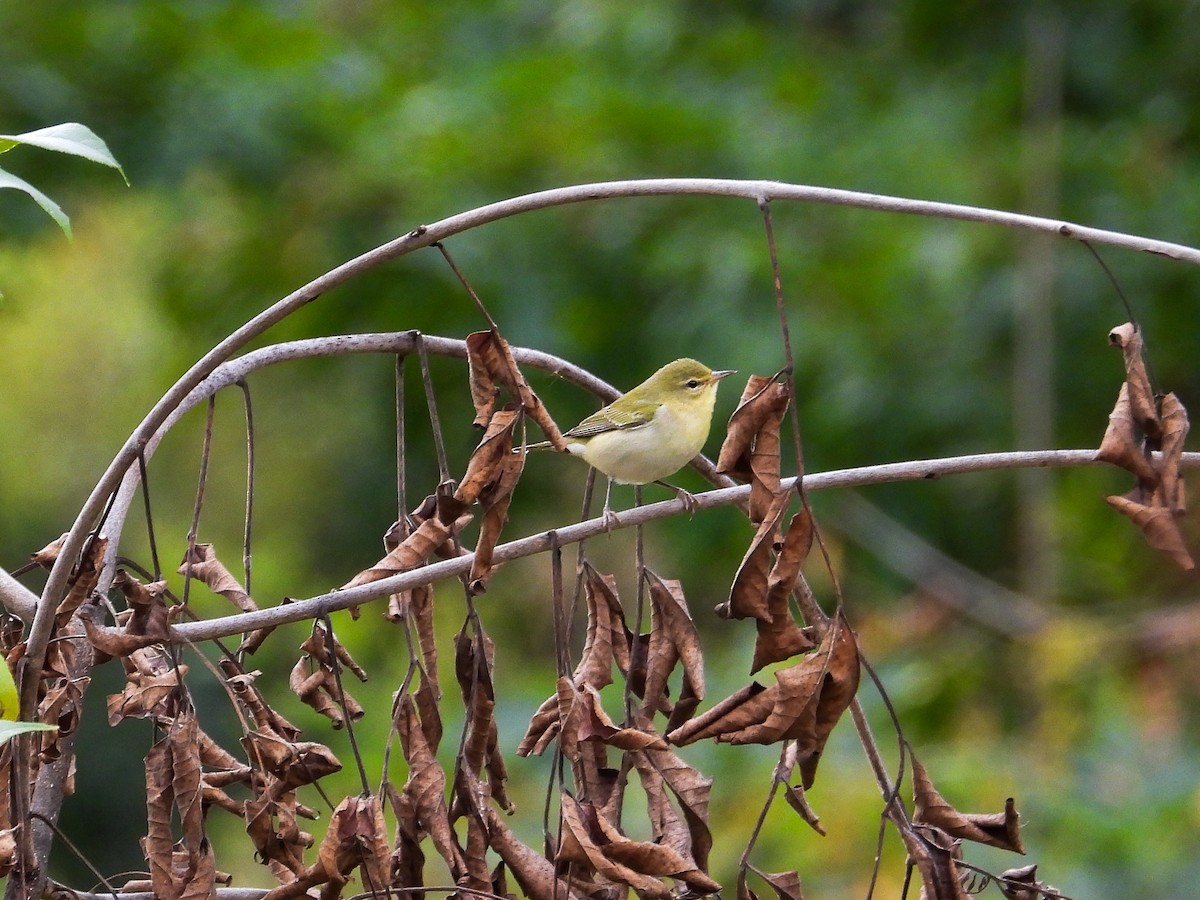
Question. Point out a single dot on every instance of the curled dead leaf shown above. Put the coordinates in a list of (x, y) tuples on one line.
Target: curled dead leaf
[(491, 476), (534, 873), (750, 451), (1175, 430), (805, 703), (1141, 392), (425, 791), (593, 842), (201, 562), (780, 637), (441, 516), (1001, 830), (1158, 525), (748, 594), (491, 363), (1122, 446), (84, 580), (673, 638)]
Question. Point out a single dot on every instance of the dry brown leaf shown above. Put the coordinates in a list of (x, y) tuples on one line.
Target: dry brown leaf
[(1121, 445), (1022, 884), (838, 689), (608, 637), (361, 842), (750, 451), (425, 790), (293, 763), (491, 476), (65, 678), (689, 835), (473, 661), (185, 869), (1175, 430), (426, 699), (745, 705), (1001, 830), (608, 640), (201, 562), (1135, 430), (649, 858), (408, 860), (584, 844), (145, 696), (482, 359), (1141, 393), (542, 729), (158, 843), (84, 581), (803, 705), (795, 795), (265, 717), (475, 878), (145, 624), (490, 458), (693, 790), (786, 885), (748, 594), (356, 839), (277, 839), (490, 362), (596, 725), (320, 687), (441, 516), (673, 638), (780, 637), (417, 604), (46, 557), (1158, 525)]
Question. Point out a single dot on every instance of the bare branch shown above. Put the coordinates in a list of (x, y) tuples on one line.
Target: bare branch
[(539, 543)]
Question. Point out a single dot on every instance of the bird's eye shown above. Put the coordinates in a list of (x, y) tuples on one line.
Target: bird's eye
[(693, 383)]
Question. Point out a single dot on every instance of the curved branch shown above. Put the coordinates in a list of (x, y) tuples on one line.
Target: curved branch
[(299, 610), (425, 235), (230, 373)]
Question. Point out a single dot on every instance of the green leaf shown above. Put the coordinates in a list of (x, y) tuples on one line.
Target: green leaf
[(10, 702), (9, 730), (69, 137), (8, 180)]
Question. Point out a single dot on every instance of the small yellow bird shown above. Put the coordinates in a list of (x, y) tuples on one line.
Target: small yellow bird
[(654, 430)]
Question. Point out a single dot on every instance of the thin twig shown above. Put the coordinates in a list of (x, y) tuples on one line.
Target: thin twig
[(435, 422), (777, 778), (401, 443), (483, 311), (149, 514), (247, 556), (201, 483)]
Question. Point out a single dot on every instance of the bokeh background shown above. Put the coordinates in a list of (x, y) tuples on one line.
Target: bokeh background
[(267, 142)]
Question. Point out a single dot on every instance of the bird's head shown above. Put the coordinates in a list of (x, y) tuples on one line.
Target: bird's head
[(685, 381)]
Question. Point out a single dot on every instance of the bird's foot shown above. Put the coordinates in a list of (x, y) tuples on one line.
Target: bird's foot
[(689, 501)]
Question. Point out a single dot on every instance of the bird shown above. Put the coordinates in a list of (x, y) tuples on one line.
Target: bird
[(652, 431)]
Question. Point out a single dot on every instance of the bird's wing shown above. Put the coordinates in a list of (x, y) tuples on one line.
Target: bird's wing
[(608, 419)]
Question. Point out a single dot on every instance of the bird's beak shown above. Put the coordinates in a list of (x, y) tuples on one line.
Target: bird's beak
[(722, 373)]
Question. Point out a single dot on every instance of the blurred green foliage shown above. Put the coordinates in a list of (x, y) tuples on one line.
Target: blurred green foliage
[(268, 142)]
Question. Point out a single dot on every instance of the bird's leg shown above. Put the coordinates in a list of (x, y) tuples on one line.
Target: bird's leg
[(689, 502), (610, 517)]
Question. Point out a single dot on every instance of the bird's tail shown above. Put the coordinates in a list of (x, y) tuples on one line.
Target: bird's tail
[(540, 445)]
